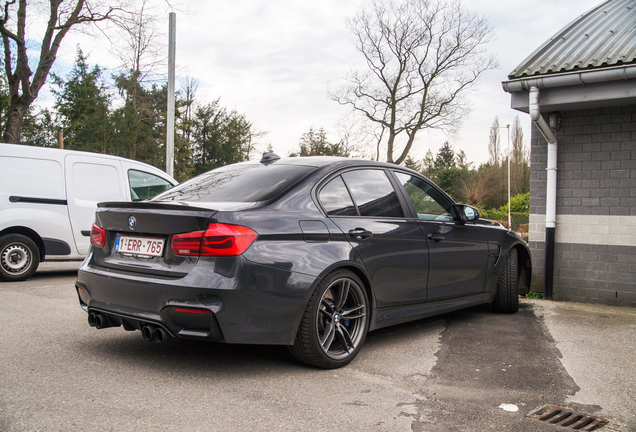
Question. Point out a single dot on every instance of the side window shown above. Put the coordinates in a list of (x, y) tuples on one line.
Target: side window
[(336, 200), (429, 203), (144, 185), (373, 193)]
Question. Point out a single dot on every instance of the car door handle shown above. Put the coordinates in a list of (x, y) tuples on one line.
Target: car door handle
[(436, 237), (360, 233)]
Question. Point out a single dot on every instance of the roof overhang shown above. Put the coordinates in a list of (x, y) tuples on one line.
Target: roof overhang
[(576, 90)]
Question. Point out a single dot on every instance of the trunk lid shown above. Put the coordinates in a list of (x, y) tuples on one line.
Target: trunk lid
[(142, 234)]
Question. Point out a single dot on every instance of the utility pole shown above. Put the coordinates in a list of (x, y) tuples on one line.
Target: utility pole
[(172, 33)]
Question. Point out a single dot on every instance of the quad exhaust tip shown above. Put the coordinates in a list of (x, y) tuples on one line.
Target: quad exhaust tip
[(154, 334), (99, 321), (149, 332)]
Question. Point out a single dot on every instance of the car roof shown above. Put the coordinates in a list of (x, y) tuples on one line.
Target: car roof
[(324, 161)]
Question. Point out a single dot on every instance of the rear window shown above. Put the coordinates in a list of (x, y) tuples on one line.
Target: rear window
[(237, 183)]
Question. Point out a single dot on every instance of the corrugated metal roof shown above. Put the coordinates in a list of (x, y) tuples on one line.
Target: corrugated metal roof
[(604, 36)]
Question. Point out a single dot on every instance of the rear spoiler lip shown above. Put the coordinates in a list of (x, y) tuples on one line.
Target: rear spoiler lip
[(149, 205), (180, 205)]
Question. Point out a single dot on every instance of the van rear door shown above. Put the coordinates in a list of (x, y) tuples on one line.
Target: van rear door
[(90, 180)]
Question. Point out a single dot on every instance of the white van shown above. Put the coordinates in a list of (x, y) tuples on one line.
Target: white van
[(48, 199)]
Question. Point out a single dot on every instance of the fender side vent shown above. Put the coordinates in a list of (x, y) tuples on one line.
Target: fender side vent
[(567, 418)]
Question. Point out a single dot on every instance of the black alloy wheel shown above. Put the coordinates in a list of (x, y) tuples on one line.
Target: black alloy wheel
[(335, 323), (19, 257)]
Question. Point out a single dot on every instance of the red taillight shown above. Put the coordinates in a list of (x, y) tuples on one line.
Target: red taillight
[(226, 240), (217, 240), (188, 244), (98, 236)]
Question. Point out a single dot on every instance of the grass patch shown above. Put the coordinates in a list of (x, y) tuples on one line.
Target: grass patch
[(534, 295)]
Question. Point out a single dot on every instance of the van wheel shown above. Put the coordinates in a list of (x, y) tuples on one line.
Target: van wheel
[(19, 257)]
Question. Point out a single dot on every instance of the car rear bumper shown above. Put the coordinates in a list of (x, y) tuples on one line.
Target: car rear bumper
[(231, 300)]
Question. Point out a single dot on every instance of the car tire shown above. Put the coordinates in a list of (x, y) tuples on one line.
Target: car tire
[(19, 257), (507, 296), (325, 339)]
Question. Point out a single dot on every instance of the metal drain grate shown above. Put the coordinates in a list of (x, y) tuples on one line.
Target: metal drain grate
[(565, 417)]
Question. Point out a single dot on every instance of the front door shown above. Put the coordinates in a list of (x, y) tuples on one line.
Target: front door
[(458, 251)]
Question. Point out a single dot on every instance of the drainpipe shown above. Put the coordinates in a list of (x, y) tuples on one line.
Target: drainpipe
[(551, 190)]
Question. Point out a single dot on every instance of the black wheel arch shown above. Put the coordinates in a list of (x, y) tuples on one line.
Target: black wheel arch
[(524, 268), (30, 234), (353, 267)]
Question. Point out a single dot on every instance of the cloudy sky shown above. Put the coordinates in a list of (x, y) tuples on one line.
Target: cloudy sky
[(275, 61)]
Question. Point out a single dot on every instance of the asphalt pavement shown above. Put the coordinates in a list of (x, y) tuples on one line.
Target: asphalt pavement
[(471, 370)]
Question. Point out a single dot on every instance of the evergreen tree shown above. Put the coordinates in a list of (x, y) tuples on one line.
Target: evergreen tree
[(314, 143), (82, 104), (412, 163), (135, 121), (40, 129), (428, 165), (219, 138), (445, 158)]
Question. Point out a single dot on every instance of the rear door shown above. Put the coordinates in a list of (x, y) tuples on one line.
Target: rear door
[(90, 180), (365, 206)]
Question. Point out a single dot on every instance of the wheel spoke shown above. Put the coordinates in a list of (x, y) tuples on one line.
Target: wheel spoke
[(343, 294), (326, 307), (325, 312), (344, 337), (347, 312), (354, 317), (327, 338)]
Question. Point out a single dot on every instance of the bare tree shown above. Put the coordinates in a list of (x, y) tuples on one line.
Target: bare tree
[(140, 45), (422, 56), (189, 88), (25, 84), (520, 162), (494, 143), (516, 136), (354, 136)]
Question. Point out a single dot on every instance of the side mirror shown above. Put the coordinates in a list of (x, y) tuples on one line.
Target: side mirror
[(465, 213)]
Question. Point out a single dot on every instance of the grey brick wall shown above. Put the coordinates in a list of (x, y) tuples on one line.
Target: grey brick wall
[(596, 176), (595, 273)]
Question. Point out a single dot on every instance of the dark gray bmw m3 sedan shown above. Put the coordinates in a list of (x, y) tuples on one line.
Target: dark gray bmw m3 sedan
[(307, 252)]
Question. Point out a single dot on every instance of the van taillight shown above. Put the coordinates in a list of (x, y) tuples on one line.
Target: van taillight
[(98, 236), (217, 240)]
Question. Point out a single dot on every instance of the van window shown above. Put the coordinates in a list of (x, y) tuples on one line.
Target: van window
[(144, 185), (33, 178), (94, 182)]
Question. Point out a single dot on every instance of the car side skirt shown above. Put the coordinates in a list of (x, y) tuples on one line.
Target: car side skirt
[(386, 317)]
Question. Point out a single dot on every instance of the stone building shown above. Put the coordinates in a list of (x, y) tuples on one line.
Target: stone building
[(580, 89)]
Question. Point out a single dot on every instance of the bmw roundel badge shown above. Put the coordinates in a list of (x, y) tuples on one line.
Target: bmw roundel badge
[(132, 222)]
